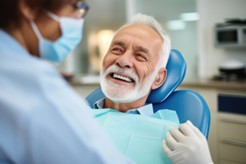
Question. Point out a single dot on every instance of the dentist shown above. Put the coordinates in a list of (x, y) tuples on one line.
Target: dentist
[(42, 119)]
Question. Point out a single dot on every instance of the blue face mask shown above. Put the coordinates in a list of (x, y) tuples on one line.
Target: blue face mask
[(58, 50)]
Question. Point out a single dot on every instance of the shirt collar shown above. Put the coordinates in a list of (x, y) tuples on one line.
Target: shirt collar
[(145, 110), (99, 104)]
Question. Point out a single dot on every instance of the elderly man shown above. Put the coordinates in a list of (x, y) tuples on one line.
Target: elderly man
[(134, 65)]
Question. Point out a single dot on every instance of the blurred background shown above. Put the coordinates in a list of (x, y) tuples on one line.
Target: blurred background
[(214, 69), (190, 24), (178, 17)]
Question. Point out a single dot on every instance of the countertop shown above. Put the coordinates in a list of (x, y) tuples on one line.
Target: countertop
[(221, 85), (200, 83)]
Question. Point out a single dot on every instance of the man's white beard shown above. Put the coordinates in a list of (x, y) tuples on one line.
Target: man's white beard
[(122, 93)]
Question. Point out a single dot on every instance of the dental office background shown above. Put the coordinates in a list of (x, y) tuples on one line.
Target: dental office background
[(190, 24)]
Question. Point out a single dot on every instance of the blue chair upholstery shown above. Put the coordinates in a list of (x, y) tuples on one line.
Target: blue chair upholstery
[(188, 104)]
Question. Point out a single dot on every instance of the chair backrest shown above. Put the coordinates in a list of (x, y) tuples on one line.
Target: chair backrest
[(188, 104)]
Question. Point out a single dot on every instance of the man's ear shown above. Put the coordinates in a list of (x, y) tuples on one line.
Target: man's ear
[(160, 78), (26, 11)]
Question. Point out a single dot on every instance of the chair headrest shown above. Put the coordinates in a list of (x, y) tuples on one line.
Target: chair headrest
[(176, 69)]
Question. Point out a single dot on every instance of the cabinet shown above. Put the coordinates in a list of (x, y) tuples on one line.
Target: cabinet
[(232, 129), (232, 140)]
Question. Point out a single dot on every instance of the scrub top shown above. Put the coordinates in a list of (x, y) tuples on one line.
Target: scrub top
[(42, 119)]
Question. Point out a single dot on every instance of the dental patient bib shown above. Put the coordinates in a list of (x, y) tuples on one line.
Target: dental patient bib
[(138, 137)]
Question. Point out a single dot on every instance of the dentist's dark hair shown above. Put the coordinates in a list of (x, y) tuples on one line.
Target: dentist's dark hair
[(10, 14)]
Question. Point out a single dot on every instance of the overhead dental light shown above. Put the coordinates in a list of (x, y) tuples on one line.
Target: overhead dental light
[(176, 25), (189, 16)]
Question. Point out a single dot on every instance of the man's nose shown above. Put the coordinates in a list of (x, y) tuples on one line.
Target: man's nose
[(125, 60)]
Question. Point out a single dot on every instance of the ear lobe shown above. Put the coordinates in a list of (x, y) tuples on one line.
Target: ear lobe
[(26, 10), (160, 78)]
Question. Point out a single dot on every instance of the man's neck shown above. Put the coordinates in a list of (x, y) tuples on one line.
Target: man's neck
[(124, 107)]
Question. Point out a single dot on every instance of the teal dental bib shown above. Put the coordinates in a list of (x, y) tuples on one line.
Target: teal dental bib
[(138, 137)]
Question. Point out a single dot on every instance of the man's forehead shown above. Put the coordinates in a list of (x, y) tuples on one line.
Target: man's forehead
[(124, 44), (139, 30), (130, 29), (119, 42)]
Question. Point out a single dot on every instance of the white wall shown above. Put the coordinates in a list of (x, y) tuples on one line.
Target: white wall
[(186, 42), (212, 12)]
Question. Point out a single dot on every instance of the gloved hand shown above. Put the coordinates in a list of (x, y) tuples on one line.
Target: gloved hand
[(187, 145)]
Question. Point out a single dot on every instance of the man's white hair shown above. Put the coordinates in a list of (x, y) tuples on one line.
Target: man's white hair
[(154, 24)]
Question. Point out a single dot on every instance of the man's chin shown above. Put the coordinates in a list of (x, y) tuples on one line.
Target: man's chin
[(121, 100), (119, 93), (120, 97)]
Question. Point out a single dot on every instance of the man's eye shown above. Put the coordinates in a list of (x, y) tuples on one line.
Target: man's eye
[(141, 57), (117, 50)]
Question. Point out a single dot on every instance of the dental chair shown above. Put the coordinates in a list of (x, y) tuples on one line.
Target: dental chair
[(188, 104)]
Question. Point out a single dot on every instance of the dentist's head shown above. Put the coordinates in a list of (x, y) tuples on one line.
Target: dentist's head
[(49, 29), (135, 62)]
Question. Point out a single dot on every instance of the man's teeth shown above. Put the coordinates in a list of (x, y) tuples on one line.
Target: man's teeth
[(122, 77)]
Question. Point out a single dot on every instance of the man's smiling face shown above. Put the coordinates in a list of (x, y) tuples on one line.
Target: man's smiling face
[(129, 67)]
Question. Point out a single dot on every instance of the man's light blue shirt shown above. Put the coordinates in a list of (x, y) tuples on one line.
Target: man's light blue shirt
[(146, 110), (42, 119)]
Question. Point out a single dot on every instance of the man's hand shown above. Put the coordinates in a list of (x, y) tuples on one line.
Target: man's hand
[(187, 145)]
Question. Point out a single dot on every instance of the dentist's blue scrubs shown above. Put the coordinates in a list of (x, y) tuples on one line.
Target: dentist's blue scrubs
[(42, 119)]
